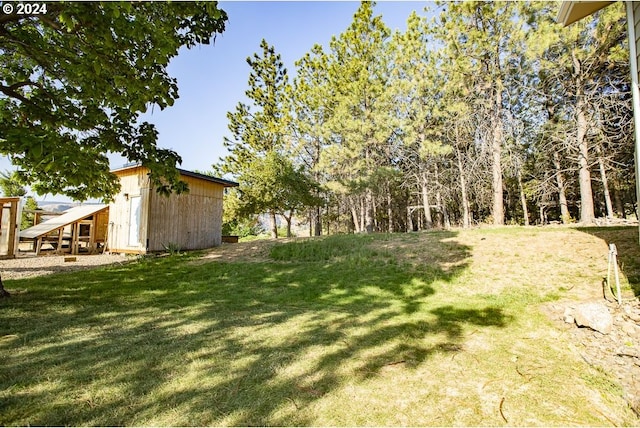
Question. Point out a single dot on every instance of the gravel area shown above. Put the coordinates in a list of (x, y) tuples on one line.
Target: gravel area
[(25, 266)]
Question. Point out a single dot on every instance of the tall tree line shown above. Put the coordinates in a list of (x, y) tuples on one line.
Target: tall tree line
[(484, 112)]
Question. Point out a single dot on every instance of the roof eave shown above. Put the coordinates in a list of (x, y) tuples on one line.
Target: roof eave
[(223, 182), (572, 11)]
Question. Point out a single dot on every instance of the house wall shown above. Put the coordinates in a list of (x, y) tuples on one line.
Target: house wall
[(633, 30), (635, 11), (122, 236), (190, 221)]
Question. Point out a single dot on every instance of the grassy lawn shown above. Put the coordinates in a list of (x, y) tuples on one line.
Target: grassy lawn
[(439, 328)]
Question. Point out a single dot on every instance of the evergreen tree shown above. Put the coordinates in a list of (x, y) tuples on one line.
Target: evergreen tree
[(259, 149), (362, 117), (312, 104)]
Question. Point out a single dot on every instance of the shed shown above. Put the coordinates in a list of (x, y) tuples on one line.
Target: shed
[(142, 221), (82, 226)]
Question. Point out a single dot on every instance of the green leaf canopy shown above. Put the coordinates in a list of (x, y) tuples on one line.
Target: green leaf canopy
[(74, 81)]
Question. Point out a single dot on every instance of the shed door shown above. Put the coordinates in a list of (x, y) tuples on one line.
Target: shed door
[(134, 221)]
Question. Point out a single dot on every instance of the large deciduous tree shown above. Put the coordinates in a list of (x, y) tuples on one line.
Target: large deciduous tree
[(74, 79)]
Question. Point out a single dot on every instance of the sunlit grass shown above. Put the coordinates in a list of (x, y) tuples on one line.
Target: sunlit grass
[(439, 328)]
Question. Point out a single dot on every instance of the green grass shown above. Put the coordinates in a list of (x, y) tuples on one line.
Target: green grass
[(413, 329), (626, 240)]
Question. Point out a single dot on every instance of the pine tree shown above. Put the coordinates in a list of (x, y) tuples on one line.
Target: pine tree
[(312, 105), (574, 69), (480, 38), (362, 114), (259, 149)]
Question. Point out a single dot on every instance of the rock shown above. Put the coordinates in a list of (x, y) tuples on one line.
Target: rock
[(634, 316), (568, 316), (630, 329), (596, 316)]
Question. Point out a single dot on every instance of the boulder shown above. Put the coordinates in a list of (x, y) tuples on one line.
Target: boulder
[(568, 316), (596, 316)]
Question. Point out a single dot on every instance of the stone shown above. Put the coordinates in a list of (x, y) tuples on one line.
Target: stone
[(596, 316), (629, 328), (568, 316), (634, 316)]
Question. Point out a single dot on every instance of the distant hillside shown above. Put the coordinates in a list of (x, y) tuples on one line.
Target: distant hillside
[(56, 206), (60, 206)]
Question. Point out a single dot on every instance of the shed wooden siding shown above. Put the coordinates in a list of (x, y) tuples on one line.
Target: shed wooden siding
[(191, 221)]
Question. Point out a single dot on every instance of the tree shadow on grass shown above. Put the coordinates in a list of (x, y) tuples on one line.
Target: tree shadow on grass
[(628, 248), (166, 342)]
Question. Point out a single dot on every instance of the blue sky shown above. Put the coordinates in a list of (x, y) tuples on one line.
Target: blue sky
[(212, 79)]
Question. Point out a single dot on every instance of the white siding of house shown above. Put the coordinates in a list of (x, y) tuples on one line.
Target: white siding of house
[(633, 29)]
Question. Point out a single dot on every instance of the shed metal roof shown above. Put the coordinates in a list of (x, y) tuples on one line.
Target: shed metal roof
[(225, 183)]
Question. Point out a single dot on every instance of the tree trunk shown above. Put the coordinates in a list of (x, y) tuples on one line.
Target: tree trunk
[(274, 225), (523, 198), (617, 199), (318, 222), (409, 220), (288, 219), (390, 208), (442, 216), (587, 214), (562, 194), (605, 183), (360, 216), (496, 154), (425, 201), (368, 211), (3, 293), (354, 215), (466, 221)]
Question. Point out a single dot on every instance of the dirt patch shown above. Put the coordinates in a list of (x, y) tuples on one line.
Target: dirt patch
[(27, 266), (253, 251)]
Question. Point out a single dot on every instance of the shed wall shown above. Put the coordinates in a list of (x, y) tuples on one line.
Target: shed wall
[(192, 221)]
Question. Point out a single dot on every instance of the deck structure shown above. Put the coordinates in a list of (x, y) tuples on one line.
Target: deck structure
[(82, 227)]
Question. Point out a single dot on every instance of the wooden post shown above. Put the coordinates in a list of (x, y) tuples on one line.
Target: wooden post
[(75, 234), (60, 236), (13, 227)]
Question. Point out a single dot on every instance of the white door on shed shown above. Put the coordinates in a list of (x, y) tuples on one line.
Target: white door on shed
[(134, 221)]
